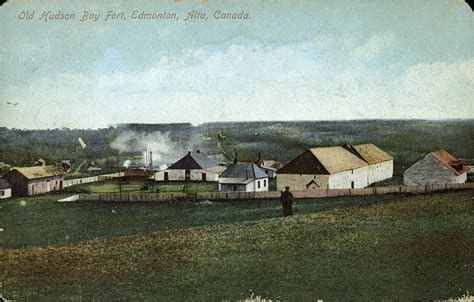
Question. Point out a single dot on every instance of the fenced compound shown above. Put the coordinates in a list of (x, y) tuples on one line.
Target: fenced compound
[(222, 196)]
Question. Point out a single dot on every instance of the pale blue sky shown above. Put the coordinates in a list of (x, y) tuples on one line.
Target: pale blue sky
[(293, 60)]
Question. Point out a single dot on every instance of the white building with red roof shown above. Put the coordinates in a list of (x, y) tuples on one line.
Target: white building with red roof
[(437, 167)]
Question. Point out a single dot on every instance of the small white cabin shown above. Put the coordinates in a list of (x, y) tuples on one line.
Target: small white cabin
[(243, 177)]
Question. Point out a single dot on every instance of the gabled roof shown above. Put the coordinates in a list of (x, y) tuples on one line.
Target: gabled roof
[(312, 182), (38, 171), (337, 159), (4, 184), (243, 170), (193, 161), (369, 153), (449, 161), (325, 160)]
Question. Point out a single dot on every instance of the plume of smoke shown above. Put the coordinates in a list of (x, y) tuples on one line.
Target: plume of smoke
[(127, 163), (159, 143)]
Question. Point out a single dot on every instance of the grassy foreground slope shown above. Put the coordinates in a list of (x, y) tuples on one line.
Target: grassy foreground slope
[(41, 220), (419, 247)]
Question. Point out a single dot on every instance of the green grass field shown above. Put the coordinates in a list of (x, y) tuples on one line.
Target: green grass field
[(401, 247), (112, 186)]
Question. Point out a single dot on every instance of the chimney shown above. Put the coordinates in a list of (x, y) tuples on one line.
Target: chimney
[(189, 152), (197, 151), (150, 159), (145, 157), (235, 157)]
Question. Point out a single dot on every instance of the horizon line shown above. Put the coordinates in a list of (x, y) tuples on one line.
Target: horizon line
[(117, 125)]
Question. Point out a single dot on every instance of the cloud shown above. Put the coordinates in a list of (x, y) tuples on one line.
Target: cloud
[(247, 80), (374, 46), (439, 90)]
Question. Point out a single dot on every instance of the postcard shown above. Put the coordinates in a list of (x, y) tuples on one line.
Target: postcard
[(218, 150)]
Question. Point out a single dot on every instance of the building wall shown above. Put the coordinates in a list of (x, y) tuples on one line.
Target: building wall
[(5, 193), (232, 188), (357, 178), (44, 185), (253, 186), (179, 175), (429, 171), (18, 182), (342, 180), (250, 187), (299, 181), (380, 171)]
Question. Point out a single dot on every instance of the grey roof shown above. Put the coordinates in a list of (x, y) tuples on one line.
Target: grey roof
[(4, 184), (203, 160), (243, 170), (193, 161), (235, 181)]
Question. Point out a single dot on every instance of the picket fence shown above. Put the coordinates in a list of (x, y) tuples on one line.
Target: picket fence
[(84, 180)]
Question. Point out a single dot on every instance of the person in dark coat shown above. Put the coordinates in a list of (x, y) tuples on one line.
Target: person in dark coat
[(287, 202)]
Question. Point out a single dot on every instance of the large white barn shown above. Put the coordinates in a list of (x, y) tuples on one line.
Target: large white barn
[(192, 167), (243, 177), (437, 167), (324, 168), (380, 162)]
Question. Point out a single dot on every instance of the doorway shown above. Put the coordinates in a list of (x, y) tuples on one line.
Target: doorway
[(187, 175)]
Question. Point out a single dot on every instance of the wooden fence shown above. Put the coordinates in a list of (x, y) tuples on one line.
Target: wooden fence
[(158, 197), (84, 180)]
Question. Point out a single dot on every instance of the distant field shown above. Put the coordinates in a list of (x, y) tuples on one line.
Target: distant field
[(392, 247)]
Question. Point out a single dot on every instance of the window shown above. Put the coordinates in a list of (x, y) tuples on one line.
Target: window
[(2, 193), (187, 175), (258, 184), (264, 183), (165, 176), (352, 185)]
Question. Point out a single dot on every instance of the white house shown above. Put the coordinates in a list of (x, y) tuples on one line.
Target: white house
[(243, 176), (380, 162), (192, 167), (324, 168), (437, 167), (5, 189)]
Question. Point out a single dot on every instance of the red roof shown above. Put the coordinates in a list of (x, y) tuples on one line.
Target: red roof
[(449, 161)]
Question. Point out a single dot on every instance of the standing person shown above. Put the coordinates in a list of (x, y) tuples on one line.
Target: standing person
[(287, 202)]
